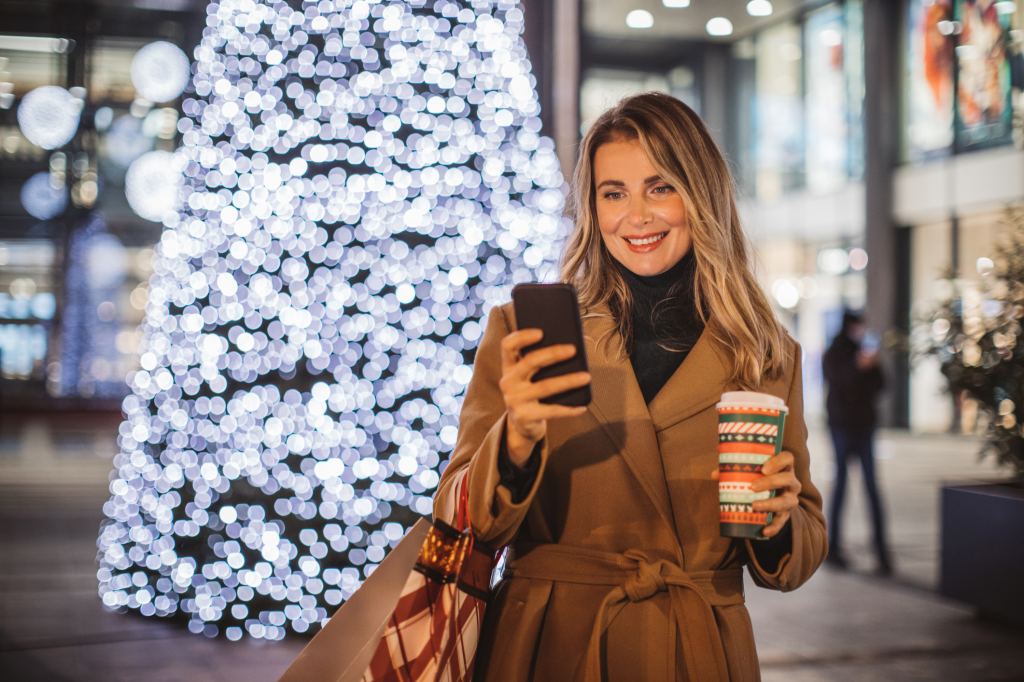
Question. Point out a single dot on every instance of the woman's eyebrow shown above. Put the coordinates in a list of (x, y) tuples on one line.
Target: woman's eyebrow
[(620, 183)]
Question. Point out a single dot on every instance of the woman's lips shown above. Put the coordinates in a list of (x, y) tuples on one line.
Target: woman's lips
[(647, 247)]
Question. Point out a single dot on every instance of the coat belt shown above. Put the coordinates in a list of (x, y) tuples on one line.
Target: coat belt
[(634, 577)]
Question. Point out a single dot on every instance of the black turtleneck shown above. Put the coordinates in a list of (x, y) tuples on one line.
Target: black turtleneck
[(664, 312)]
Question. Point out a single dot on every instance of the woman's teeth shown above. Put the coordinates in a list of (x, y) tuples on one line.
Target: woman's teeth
[(648, 240)]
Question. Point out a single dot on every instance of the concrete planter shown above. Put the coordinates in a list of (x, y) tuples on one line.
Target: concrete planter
[(983, 548)]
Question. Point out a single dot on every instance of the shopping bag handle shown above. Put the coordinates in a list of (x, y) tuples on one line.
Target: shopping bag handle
[(462, 508)]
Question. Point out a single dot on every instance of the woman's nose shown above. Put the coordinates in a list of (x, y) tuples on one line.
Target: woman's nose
[(639, 212)]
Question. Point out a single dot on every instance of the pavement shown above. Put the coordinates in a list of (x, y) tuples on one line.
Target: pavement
[(839, 626)]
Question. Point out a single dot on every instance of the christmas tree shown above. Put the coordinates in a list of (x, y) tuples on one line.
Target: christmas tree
[(364, 181), (89, 326), (976, 334)]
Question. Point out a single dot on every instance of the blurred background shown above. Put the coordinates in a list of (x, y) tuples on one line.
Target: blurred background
[(878, 150)]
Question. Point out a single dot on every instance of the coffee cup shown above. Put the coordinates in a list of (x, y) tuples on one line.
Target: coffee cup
[(750, 430)]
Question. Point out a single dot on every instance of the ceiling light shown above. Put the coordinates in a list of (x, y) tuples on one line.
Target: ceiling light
[(759, 8), (719, 26), (639, 18), (673, 4), (830, 37)]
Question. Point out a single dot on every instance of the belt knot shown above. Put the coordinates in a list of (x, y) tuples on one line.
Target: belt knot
[(648, 579)]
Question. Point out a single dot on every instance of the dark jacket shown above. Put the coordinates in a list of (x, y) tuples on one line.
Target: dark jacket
[(851, 390)]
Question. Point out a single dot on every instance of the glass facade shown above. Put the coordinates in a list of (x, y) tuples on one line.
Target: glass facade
[(75, 245), (797, 99)]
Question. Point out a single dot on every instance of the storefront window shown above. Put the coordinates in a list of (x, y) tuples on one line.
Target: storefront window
[(602, 88), (110, 70), (983, 106), (27, 306), (779, 106), (928, 79), (79, 224), (854, 67), (827, 133)]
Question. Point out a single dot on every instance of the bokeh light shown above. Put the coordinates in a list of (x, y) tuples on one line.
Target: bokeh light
[(160, 71), (363, 182), (48, 116), (125, 141), (42, 197), (153, 184)]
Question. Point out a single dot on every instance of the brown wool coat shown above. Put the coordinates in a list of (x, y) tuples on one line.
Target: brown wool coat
[(617, 570)]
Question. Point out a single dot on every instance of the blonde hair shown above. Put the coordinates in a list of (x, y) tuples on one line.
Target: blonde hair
[(729, 300)]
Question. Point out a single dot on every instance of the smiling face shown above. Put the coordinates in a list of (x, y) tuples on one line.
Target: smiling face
[(642, 218)]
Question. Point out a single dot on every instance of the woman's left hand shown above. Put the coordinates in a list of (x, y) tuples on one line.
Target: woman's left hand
[(778, 474)]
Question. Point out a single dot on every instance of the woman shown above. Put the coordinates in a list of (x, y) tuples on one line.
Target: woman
[(616, 569)]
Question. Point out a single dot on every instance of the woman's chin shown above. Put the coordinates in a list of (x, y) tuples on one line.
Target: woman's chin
[(648, 264)]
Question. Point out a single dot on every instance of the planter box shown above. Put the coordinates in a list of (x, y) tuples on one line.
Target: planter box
[(983, 548)]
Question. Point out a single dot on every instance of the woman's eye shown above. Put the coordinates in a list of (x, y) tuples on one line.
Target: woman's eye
[(663, 189), (612, 195)]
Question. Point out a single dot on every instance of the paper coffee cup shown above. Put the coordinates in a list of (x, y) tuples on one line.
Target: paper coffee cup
[(750, 431)]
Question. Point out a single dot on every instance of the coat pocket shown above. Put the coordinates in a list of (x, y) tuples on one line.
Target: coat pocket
[(512, 627)]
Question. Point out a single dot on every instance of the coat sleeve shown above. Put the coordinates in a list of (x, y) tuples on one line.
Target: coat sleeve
[(494, 514), (807, 539)]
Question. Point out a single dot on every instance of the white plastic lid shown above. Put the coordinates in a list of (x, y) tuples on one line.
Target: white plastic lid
[(752, 399)]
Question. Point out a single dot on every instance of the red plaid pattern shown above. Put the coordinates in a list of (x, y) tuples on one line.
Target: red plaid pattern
[(434, 630)]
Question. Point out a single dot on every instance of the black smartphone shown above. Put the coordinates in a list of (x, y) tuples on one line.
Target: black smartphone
[(553, 308)]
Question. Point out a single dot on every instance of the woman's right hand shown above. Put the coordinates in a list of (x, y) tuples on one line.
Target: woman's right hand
[(527, 416)]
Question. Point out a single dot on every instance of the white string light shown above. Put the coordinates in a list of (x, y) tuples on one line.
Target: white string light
[(363, 182)]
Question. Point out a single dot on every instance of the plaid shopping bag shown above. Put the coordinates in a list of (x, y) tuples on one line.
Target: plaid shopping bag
[(417, 618), (433, 632)]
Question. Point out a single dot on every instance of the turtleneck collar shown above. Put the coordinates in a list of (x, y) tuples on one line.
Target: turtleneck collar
[(659, 285)]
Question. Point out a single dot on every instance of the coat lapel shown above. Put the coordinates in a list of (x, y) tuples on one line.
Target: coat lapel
[(696, 384), (619, 406)]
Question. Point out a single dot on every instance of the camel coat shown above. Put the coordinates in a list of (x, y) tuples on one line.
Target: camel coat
[(616, 569)]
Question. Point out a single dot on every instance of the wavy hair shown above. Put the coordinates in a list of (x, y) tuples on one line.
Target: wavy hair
[(729, 300)]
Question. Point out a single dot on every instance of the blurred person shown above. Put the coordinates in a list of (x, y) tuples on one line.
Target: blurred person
[(617, 569), (854, 377)]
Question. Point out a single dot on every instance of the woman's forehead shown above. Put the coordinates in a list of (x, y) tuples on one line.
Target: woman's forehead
[(622, 159)]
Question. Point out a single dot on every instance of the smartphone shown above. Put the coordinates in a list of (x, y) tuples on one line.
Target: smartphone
[(870, 343), (553, 308)]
